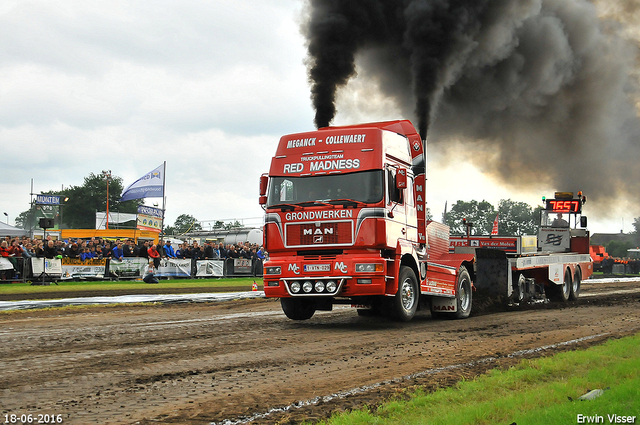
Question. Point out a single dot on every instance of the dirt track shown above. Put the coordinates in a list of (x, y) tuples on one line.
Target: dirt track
[(202, 363)]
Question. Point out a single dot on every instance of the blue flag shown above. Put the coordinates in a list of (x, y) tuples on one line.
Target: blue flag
[(151, 185)]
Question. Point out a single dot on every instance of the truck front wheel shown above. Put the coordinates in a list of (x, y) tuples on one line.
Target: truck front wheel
[(405, 303), (297, 308)]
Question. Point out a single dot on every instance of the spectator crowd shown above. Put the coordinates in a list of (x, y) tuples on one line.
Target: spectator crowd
[(17, 249)]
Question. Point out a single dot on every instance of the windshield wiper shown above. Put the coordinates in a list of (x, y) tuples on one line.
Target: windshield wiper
[(316, 202), (284, 207), (346, 202)]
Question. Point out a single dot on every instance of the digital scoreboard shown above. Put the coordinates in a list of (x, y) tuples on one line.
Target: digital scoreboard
[(569, 206)]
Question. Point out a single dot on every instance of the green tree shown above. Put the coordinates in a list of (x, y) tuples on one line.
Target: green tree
[(184, 223), (480, 214), (635, 234), (517, 218), (236, 224), (618, 248)]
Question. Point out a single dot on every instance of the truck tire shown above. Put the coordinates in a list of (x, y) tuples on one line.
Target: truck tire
[(561, 292), (464, 296), (519, 292), (575, 285), (297, 308), (405, 304)]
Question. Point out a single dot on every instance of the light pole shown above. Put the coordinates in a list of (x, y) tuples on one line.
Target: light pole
[(61, 211), (107, 175), (7, 218)]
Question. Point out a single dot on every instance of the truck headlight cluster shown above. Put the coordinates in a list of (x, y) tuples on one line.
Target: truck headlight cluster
[(369, 267), (272, 270), (313, 287)]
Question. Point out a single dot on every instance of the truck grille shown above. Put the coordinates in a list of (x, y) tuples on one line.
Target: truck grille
[(319, 234)]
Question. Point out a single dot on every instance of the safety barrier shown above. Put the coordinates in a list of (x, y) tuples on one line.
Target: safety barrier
[(55, 269)]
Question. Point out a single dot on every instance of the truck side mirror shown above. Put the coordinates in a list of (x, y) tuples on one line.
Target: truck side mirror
[(401, 178), (583, 221), (264, 181)]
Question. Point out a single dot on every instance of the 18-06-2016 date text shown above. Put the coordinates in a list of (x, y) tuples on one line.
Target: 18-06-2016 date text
[(30, 418)]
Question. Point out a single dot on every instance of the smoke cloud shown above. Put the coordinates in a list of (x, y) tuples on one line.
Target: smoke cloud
[(544, 85)]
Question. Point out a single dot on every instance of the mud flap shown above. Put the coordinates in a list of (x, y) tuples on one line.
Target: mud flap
[(492, 284)]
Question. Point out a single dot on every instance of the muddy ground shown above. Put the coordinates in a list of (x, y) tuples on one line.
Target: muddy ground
[(227, 362)]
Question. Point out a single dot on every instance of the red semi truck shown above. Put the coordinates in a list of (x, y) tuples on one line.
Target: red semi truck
[(346, 223)]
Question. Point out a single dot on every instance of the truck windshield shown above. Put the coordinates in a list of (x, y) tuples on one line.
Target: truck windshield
[(365, 186)]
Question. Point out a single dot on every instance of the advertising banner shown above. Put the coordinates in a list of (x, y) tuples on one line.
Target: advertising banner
[(131, 267), (174, 267), (209, 268), (5, 264), (149, 218), (74, 267), (47, 200), (50, 266), (242, 266)]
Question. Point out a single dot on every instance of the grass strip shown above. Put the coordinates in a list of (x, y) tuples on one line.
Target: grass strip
[(66, 286), (533, 392)]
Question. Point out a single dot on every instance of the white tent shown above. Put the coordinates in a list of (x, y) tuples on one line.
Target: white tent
[(6, 230)]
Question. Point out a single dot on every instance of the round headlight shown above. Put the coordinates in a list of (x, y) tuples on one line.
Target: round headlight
[(331, 286), (307, 286), (295, 287), (319, 286)]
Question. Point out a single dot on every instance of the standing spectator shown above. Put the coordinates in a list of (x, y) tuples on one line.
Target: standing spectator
[(160, 249), (127, 249), (27, 250), (61, 248), (4, 252), (39, 249), (86, 255), (50, 250), (209, 252), (168, 250), (72, 252), (144, 250), (154, 255), (221, 251), (196, 251), (118, 253), (106, 251)]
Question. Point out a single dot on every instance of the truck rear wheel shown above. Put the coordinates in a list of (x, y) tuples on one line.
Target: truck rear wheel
[(575, 286), (464, 296), (561, 292), (297, 308), (405, 303)]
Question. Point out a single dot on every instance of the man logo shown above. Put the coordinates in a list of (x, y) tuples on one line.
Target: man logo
[(318, 239)]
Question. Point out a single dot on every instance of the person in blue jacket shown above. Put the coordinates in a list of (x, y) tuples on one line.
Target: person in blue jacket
[(118, 254), (168, 250)]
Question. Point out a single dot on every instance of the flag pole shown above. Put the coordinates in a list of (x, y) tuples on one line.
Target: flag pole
[(164, 198)]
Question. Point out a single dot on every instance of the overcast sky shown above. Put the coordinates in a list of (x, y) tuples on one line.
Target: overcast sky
[(208, 87)]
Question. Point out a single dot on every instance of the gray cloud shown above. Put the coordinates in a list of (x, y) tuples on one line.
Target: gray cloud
[(542, 83)]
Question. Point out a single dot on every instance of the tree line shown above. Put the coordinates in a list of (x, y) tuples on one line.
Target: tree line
[(515, 218)]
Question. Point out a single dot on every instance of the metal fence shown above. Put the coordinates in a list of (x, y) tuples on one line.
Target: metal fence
[(46, 270)]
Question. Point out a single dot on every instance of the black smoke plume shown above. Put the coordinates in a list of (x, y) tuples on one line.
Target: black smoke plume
[(543, 85)]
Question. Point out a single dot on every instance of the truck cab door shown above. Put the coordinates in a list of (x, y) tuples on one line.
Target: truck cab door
[(396, 202)]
